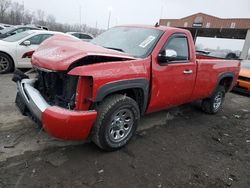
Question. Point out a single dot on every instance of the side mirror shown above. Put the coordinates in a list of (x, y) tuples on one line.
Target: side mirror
[(167, 55), (26, 43)]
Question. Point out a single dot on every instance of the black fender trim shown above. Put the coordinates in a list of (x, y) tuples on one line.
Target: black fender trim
[(112, 87), (221, 77)]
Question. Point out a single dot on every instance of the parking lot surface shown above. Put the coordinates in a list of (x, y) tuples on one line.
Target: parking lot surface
[(180, 147)]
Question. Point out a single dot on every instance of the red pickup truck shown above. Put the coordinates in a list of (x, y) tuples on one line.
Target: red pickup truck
[(99, 90)]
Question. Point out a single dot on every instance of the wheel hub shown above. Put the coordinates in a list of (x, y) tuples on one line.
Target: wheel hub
[(218, 100), (121, 125), (4, 64)]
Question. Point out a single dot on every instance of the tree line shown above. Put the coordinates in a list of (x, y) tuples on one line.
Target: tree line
[(15, 13)]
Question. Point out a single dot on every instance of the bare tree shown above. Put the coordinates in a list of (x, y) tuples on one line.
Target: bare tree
[(27, 17), (15, 14), (51, 22), (40, 17), (4, 5)]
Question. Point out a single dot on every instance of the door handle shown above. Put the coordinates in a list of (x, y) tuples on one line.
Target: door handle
[(187, 71)]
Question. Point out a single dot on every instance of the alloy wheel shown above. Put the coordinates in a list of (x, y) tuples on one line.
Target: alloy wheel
[(121, 125), (4, 64)]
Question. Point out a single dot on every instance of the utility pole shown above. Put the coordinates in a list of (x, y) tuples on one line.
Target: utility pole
[(162, 9), (80, 11), (110, 10), (23, 14)]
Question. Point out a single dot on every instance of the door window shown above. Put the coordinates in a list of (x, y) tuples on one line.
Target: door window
[(179, 44), (38, 39), (17, 31), (85, 36), (76, 35)]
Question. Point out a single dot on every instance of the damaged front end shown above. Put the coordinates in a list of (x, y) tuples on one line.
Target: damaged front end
[(57, 88), (57, 99), (50, 100)]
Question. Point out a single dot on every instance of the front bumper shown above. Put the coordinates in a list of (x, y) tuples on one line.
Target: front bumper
[(58, 122)]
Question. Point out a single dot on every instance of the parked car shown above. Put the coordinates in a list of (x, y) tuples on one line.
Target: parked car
[(43, 27), (16, 50), (223, 55), (243, 83), (202, 52), (38, 26), (99, 90), (6, 32), (2, 26), (83, 36)]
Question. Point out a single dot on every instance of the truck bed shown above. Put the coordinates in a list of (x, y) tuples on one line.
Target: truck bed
[(209, 69)]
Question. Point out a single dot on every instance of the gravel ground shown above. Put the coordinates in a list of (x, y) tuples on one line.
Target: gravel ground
[(180, 147)]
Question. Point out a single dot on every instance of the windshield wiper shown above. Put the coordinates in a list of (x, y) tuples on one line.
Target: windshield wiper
[(117, 49)]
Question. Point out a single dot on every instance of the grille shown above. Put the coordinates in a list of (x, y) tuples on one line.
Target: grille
[(57, 88), (244, 78)]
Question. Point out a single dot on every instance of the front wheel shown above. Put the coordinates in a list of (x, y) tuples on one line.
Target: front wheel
[(117, 120), (214, 104), (6, 63)]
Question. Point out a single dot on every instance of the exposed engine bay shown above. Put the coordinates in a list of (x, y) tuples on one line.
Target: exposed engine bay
[(57, 88)]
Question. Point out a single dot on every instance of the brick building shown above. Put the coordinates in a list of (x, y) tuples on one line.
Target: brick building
[(205, 25), (201, 20)]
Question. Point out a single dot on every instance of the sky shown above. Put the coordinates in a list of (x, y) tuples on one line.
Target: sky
[(96, 12)]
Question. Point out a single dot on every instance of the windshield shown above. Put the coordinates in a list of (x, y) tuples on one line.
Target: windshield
[(245, 64), (6, 30), (138, 42), (18, 36)]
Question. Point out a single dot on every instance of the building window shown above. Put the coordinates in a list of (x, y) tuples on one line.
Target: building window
[(168, 24), (232, 25), (208, 25), (185, 24)]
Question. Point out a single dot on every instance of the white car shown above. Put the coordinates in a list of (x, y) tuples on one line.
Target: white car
[(3, 26), (16, 50)]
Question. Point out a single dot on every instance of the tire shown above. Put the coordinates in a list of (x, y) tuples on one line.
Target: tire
[(6, 63), (117, 119), (214, 104)]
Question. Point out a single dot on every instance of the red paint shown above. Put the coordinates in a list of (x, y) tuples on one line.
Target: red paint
[(84, 93), (200, 56), (169, 86), (66, 124), (208, 73), (59, 52), (103, 73)]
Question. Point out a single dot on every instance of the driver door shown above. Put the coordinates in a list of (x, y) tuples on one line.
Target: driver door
[(173, 81)]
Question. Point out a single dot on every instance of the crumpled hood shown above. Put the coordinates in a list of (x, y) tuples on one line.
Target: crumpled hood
[(60, 51)]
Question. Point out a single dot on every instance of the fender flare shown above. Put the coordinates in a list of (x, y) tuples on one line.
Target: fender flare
[(116, 86), (221, 77)]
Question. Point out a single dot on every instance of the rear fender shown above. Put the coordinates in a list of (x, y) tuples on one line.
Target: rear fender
[(223, 76)]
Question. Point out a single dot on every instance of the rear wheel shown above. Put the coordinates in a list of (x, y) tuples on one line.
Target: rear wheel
[(214, 104), (117, 120), (6, 63)]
